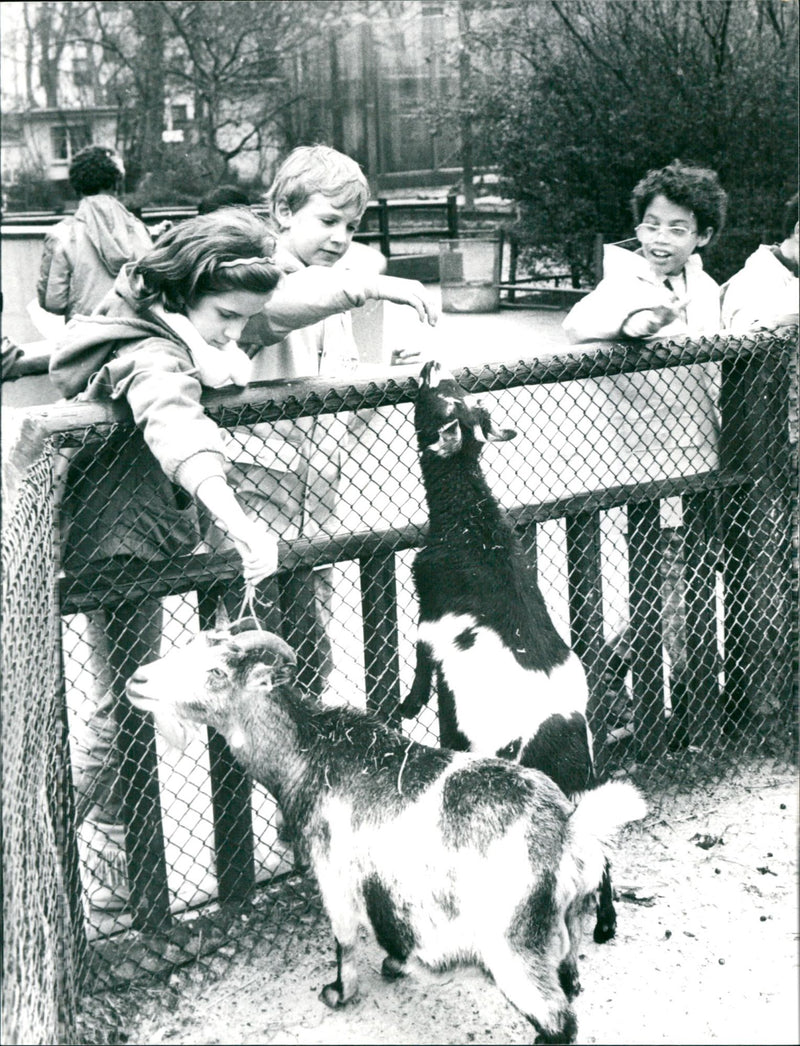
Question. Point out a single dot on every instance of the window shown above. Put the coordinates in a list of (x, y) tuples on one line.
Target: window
[(179, 117), (81, 73), (68, 139)]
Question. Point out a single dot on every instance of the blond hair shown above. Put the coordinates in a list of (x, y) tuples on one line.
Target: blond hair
[(311, 169)]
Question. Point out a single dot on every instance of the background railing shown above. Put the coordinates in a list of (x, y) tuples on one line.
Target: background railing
[(656, 488)]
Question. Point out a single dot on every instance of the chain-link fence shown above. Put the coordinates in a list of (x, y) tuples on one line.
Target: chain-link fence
[(655, 488)]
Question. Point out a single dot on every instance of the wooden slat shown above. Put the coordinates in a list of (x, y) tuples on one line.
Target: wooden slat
[(646, 615), (96, 585), (231, 793), (301, 627), (700, 711), (379, 615), (586, 599)]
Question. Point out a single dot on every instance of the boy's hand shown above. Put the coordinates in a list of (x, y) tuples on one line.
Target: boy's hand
[(644, 322), (407, 354), (409, 292)]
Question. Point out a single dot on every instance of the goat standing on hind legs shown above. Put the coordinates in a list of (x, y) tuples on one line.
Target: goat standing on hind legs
[(450, 857), (508, 685)]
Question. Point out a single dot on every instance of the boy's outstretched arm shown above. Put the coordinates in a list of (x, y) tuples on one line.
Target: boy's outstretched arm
[(409, 292), (311, 294)]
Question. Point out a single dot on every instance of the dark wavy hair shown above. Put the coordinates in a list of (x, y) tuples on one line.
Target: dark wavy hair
[(188, 261), (687, 185), (95, 169)]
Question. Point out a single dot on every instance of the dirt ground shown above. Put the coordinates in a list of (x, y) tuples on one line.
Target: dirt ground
[(706, 952)]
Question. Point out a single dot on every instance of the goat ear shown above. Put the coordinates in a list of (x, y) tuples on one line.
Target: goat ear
[(494, 434), (501, 435)]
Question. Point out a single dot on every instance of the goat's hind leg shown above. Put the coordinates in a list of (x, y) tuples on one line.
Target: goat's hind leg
[(345, 987), (606, 925)]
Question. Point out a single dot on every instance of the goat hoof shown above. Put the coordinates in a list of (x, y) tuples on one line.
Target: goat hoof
[(567, 1034), (392, 969), (569, 980), (604, 931), (333, 996)]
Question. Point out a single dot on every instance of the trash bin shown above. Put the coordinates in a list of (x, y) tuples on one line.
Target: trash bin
[(469, 272)]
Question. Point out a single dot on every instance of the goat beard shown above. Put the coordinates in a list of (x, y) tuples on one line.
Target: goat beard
[(177, 732)]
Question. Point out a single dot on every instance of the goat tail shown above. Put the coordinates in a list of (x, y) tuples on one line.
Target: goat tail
[(601, 812), (596, 819)]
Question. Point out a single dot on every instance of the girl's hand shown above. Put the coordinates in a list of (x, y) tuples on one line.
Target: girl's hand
[(409, 292), (258, 547)]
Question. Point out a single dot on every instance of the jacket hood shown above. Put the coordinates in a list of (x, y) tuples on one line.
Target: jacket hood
[(88, 341), (116, 234)]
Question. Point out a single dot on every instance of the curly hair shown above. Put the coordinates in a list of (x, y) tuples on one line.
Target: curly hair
[(95, 169), (199, 256), (687, 185), (310, 169)]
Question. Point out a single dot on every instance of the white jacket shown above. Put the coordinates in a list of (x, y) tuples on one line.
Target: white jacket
[(763, 293), (660, 423), (629, 284)]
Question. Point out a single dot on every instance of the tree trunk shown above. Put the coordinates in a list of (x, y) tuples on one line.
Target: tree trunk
[(149, 19)]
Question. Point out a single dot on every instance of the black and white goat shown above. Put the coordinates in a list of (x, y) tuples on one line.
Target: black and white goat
[(507, 683), (450, 857)]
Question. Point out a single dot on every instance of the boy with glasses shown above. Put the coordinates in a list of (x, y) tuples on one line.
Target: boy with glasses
[(659, 290), (659, 424)]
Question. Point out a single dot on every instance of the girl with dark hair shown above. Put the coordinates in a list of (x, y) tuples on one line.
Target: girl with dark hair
[(167, 331)]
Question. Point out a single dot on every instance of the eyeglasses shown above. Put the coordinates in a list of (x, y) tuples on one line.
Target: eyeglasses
[(677, 234)]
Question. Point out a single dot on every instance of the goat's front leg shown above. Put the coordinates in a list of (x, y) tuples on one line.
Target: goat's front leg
[(420, 692), (339, 885), (345, 987)]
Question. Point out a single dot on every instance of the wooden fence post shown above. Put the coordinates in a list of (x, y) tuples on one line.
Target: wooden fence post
[(379, 623), (646, 616), (760, 569), (696, 698), (383, 227), (131, 632), (452, 216), (231, 793), (585, 585)]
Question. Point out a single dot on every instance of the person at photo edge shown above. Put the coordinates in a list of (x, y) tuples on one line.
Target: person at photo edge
[(83, 253)]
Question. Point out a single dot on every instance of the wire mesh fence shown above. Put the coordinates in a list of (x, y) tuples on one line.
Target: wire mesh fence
[(654, 488)]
